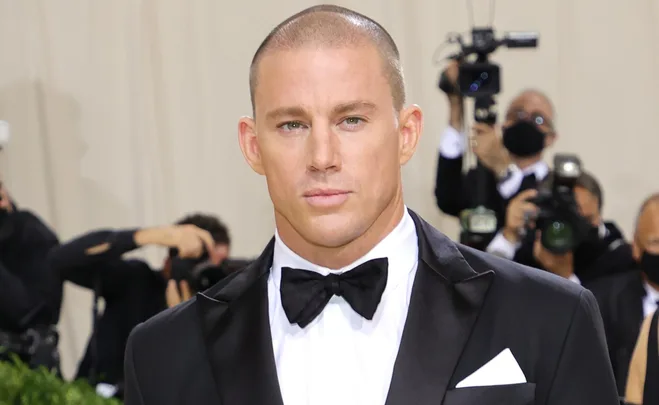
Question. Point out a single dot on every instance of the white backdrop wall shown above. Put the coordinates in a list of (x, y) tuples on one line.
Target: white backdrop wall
[(123, 112)]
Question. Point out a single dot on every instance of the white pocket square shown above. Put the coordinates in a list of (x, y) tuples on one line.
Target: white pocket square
[(501, 370)]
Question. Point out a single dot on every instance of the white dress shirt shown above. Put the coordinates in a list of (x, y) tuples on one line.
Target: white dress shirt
[(650, 300), (340, 357), (453, 144)]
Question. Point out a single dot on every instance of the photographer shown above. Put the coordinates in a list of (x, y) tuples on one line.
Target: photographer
[(132, 291), (30, 292), (513, 161), (626, 299), (603, 250)]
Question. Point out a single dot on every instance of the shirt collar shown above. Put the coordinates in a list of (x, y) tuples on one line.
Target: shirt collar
[(650, 292), (400, 247), (540, 169)]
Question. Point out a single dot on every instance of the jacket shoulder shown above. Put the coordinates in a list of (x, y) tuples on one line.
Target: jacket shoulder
[(534, 284)]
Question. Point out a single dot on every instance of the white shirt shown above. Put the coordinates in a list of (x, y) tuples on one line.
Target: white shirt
[(453, 145), (340, 357), (650, 300)]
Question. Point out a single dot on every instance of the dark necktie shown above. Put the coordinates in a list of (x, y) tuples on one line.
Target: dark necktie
[(529, 181), (304, 293)]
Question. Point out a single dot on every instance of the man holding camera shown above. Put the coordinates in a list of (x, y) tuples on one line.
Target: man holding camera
[(513, 160), (601, 251), (626, 299), (30, 292), (132, 291)]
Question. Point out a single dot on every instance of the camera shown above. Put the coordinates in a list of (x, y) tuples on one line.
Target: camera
[(481, 80), (561, 225), (201, 273)]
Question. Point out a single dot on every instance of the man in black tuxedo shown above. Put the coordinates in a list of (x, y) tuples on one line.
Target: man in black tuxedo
[(357, 300), (626, 299)]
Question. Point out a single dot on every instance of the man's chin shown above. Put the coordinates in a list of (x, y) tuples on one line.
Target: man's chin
[(333, 231)]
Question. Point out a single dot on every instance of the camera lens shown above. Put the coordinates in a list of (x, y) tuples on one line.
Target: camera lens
[(558, 237)]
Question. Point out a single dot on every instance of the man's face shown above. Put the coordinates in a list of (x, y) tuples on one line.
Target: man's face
[(588, 205), (328, 139), (534, 108), (647, 232)]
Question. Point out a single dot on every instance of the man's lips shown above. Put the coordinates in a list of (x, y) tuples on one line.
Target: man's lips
[(326, 197)]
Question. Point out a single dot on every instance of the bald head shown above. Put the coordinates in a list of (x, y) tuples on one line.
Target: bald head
[(535, 100), (332, 27), (646, 234), (649, 210)]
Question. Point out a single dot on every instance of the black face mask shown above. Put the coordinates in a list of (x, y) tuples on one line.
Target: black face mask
[(523, 139), (650, 266)]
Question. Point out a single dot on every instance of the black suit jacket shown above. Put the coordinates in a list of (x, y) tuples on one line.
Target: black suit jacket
[(466, 307), (620, 301)]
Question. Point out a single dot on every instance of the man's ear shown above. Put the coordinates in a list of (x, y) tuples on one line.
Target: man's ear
[(249, 144), (410, 128)]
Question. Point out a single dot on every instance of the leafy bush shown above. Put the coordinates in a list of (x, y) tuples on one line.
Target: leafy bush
[(20, 385)]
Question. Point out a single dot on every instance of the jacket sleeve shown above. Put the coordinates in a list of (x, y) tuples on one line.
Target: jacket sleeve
[(584, 374), (449, 194), (94, 260), (132, 392), (29, 290)]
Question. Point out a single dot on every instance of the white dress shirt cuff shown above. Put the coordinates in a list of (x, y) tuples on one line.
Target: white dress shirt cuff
[(502, 247), (452, 143)]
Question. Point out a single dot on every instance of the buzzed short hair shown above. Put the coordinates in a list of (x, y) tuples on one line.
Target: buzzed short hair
[(333, 26)]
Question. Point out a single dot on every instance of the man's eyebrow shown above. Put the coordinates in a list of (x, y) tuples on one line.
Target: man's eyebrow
[(285, 112), (360, 105)]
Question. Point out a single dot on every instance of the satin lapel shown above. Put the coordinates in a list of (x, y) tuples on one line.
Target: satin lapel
[(447, 296), (236, 330)]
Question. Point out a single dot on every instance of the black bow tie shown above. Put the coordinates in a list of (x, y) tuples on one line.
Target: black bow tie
[(304, 293)]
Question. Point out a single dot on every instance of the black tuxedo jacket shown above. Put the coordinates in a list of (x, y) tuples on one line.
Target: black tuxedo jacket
[(466, 307), (620, 300)]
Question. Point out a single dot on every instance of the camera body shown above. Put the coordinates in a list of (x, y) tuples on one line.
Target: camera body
[(201, 273), (561, 225)]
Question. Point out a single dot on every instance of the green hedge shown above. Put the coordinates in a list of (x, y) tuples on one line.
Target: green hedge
[(20, 385)]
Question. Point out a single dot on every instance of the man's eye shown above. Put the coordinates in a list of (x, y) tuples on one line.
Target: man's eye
[(291, 126), (353, 121)]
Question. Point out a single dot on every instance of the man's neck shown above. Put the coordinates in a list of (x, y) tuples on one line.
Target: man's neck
[(341, 256), (525, 162)]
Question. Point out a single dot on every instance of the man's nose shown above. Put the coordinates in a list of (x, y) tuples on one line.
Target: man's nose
[(324, 149)]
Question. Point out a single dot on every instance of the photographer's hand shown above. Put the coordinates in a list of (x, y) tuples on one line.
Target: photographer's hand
[(173, 296), (456, 102), (561, 265), (488, 147), (517, 212), (188, 239)]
